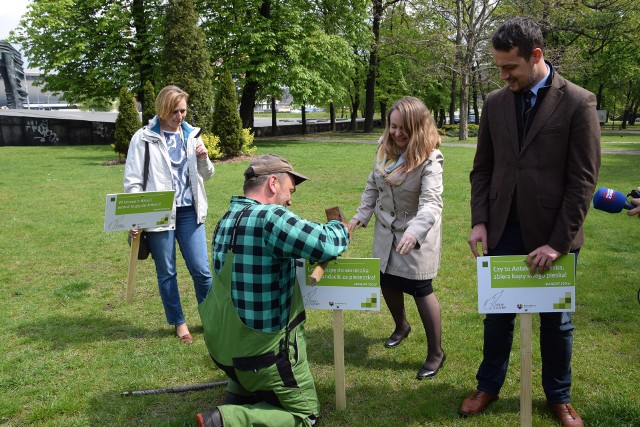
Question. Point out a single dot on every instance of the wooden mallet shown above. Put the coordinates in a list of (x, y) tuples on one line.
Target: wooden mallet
[(317, 273)]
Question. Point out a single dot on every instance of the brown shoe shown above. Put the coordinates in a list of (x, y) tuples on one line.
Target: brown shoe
[(567, 416), (476, 403)]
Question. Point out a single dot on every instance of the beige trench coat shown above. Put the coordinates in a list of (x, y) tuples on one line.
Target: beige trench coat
[(415, 206)]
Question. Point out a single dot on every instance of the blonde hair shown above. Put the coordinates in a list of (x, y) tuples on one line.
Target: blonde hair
[(420, 127), (167, 100)]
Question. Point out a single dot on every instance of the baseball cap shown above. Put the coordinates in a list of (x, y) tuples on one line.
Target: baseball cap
[(269, 164)]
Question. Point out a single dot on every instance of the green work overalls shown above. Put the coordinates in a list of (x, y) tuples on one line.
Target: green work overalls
[(271, 366)]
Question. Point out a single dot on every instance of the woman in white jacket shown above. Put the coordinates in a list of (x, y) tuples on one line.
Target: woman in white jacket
[(404, 191), (178, 161)]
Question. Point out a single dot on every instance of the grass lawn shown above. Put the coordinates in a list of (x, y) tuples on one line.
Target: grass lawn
[(70, 344)]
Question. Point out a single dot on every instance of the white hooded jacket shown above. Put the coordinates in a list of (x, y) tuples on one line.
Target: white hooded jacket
[(160, 177)]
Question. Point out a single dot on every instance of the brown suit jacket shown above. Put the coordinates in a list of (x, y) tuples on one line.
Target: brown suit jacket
[(555, 172)]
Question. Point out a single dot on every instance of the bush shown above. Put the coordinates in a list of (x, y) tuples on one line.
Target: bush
[(226, 121), (127, 123), (148, 102), (212, 143), (454, 130), (247, 142)]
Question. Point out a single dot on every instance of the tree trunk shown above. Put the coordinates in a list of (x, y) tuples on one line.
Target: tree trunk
[(458, 61), (474, 91), (274, 117), (383, 114), (370, 85), (248, 102), (304, 118), (355, 104), (599, 96), (248, 99), (141, 47), (452, 96), (332, 116), (441, 118), (463, 133)]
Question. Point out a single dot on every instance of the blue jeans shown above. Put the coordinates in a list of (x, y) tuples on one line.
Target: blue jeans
[(192, 240), (556, 338)]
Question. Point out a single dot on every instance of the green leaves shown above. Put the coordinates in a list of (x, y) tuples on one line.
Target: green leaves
[(186, 61), (86, 48), (127, 122)]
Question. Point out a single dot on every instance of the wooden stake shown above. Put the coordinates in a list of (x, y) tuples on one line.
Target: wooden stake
[(338, 358), (133, 264), (525, 370)]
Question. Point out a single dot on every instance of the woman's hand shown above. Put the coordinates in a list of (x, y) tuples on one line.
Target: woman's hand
[(406, 244), (201, 151), (354, 224)]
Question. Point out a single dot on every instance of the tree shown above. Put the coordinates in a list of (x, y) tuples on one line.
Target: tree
[(266, 58), (148, 102), (186, 61), (226, 121), (595, 44), (412, 51), (342, 62), (257, 57), (90, 48), (378, 9), (469, 25), (127, 123), (312, 73)]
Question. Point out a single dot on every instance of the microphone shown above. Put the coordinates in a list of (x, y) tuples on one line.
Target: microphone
[(611, 201)]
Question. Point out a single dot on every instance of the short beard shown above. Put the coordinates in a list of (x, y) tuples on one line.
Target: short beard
[(532, 79)]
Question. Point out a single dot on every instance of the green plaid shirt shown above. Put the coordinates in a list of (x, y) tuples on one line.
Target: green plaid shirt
[(269, 238)]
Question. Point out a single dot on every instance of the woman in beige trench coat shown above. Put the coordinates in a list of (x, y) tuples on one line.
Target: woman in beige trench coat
[(404, 191)]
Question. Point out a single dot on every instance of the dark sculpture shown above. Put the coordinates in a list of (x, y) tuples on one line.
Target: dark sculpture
[(12, 75)]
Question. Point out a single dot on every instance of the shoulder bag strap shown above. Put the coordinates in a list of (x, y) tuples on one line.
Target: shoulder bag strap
[(146, 166)]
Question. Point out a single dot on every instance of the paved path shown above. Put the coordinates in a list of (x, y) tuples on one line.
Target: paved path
[(262, 121), (374, 140)]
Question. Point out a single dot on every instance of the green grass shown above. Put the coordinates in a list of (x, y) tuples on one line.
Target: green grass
[(70, 344)]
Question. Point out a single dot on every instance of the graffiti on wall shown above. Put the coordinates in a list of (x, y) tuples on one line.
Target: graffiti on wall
[(40, 131), (101, 131)]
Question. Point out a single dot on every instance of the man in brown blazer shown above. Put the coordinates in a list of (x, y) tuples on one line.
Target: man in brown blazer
[(533, 177)]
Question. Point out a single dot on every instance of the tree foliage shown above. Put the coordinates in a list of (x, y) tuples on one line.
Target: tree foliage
[(279, 50), (90, 48), (323, 51), (226, 121), (253, 39), (186, 62), (127, 122)]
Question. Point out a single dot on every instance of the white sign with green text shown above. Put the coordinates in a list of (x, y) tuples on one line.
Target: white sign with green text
[(505, 285), (125, 211), (347, 284)]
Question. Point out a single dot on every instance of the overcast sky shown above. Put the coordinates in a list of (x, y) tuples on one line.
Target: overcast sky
[(10, 13)]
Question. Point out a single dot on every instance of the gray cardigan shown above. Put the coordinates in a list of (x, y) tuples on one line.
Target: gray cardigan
[(414, 206)]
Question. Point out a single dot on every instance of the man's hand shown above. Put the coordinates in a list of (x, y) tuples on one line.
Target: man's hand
[(635, 211), (541, 259), (478, 235)]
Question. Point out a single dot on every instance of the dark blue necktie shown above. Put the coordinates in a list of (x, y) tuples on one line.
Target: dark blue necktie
[(527, 104)]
